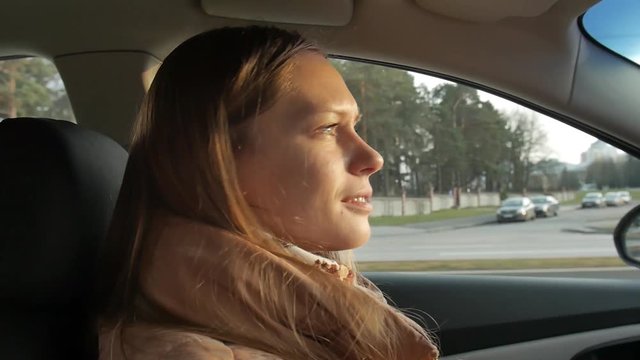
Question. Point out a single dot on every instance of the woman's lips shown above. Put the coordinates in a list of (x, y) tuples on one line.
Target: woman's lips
[(359, 203)]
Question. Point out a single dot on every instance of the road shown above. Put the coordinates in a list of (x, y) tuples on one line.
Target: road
[(574, 233)]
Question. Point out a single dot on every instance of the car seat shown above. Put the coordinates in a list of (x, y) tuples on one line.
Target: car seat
[(58, 187)]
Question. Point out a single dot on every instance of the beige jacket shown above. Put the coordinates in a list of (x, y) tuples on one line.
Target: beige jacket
[(188, 276), (145, 342)]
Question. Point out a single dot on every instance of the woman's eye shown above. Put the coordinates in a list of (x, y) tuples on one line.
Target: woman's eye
[(329, 130)]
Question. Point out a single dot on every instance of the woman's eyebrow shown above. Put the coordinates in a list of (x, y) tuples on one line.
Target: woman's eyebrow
[(343, 114)]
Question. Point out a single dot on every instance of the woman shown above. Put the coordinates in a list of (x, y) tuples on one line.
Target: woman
[(246, 187)]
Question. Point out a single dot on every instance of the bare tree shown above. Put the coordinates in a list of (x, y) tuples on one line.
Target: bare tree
[(528, 144)]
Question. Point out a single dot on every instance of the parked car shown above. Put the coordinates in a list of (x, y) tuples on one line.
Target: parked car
[(626, 196), (545, 205), (593, 199), (613, 198), (516, 208)]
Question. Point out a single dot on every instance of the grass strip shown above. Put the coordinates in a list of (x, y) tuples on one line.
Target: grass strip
[(434, 216), (490, 264)]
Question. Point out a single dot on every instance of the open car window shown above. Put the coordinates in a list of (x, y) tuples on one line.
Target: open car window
[(454, 154), (32, 87)]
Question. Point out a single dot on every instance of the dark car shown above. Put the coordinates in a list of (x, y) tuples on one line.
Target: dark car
[(545, 205), (516, 209)]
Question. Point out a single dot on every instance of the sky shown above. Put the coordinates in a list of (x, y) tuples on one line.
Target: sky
[(563, 141), (614, 23)]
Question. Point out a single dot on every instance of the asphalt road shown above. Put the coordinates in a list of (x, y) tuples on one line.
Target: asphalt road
[(574, 233)]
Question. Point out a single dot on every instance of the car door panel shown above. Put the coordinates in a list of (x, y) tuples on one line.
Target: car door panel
[(564, 347), (478, 312)]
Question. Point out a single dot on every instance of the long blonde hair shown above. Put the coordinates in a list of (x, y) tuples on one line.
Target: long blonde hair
[(182, 161)]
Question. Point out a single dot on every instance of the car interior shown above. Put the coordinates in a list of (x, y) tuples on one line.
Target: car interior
[(60, 180)]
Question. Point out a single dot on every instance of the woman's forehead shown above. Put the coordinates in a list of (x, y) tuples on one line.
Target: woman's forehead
[(318, 87)]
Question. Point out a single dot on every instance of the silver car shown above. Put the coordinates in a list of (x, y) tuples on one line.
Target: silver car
[(626, 196), (613, 198)]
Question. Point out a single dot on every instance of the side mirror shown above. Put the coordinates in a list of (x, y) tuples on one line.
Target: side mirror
[(626, 236)]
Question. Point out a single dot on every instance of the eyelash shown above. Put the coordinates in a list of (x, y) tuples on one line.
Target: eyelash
[(329, 130), (332, 129)]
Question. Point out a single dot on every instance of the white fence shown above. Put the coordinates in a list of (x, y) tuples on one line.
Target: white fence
[(393, 206), (564, 195)]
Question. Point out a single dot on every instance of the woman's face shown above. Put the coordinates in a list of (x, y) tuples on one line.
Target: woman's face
[(304, 169)]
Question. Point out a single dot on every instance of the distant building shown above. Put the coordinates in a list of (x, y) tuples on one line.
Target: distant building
[(599, 150)]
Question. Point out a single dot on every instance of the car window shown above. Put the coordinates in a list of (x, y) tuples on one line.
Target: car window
[(455, 156), (614, 25), (32, 87)]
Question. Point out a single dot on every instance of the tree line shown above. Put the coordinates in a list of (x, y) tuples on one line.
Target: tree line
[(32, 87), (609, 173), (442, 138), (621, 171)]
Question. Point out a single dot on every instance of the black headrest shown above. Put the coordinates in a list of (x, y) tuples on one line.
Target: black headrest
[(58, 187)]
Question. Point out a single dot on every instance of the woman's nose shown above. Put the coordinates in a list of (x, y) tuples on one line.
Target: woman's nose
[(365, 160)]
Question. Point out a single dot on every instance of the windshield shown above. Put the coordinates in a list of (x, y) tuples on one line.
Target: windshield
[(614, 24), (539, 200), (512, 202)]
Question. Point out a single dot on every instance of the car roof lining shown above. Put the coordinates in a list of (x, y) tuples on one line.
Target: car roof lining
[(486, 10), (308, 12)]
